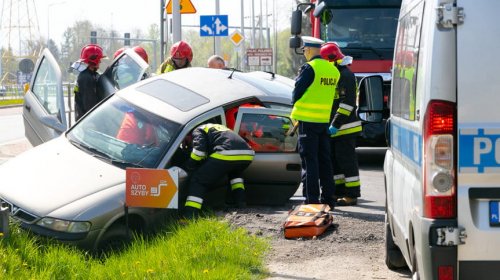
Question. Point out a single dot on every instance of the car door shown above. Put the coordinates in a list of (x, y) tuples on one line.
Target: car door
[(478, 117), (44, 109), (274, 175), (127, 69)]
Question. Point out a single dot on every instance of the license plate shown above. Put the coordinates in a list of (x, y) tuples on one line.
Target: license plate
[(494, 214)]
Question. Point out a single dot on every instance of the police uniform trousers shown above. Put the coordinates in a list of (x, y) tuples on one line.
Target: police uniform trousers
[(345, 166), (211, 171), (314, 150)]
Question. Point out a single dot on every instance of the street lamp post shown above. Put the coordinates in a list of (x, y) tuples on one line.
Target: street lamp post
[(48, 18)]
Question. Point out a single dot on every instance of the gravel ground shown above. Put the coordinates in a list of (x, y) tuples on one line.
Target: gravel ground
[(353, 248)]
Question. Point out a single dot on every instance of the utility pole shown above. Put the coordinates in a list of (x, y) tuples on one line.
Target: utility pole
[(176, 22), (242, 31), (217, 38)]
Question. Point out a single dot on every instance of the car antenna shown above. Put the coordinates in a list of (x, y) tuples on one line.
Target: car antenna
[(272, 73), (231, 75)]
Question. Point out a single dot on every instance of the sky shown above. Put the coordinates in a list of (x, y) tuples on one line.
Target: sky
[(129, 15)]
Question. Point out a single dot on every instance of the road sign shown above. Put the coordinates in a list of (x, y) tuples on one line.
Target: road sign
[(236, 37), (260, 57), (215, 25), (185, 7)]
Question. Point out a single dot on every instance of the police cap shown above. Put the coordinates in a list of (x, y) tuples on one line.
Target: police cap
[(312, 42)]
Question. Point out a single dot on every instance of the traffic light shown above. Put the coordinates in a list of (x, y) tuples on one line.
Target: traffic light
[(127, 39), (93, 35)]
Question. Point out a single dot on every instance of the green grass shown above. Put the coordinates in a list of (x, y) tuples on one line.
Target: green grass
[(204, 249), (5, 102)]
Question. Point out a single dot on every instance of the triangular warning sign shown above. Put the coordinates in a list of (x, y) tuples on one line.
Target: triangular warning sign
[(185, 7)]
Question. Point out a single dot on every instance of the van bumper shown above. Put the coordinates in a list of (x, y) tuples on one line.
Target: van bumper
[(432, 256)]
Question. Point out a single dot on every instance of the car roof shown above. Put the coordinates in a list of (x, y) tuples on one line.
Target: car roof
[(189, 92)]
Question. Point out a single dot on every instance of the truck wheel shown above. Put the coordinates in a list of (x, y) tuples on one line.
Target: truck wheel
[(114, 239), (393, 257)]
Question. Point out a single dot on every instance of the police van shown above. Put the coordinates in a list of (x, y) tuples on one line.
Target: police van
[(442, 166)]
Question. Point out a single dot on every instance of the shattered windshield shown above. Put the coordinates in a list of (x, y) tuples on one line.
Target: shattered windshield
[(124, 135)]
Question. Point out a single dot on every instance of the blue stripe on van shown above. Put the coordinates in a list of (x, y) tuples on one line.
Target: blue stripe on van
[(407, 142), (477, 150)]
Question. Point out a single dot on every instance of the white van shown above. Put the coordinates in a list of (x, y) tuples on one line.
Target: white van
[(442, 167)]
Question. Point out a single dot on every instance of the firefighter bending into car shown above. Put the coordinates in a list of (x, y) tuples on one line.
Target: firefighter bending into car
[(86, 96), (344, 130), (312, 100), (217, 152)]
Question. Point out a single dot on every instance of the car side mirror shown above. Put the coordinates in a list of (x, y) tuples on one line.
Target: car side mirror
[(371, 99), (54, 123)]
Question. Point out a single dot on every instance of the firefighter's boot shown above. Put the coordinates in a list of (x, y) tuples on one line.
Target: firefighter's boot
[(347, 201), (239, 198)]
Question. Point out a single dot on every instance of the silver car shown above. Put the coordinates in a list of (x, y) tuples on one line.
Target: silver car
[(76, 188)]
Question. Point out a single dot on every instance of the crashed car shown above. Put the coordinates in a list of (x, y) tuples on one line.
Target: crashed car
[(76, 188)]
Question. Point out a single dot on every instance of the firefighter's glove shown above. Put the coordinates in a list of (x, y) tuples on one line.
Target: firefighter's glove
[(332, 130)]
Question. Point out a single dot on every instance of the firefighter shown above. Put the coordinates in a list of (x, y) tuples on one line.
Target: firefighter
[(86, 96), (138, 49), (312, 101), (345, 128), (217, 152), (180, 57)]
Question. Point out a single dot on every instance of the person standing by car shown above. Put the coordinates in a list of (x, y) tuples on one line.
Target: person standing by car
[(345, 128), (217, 152), (216, 61), (180, 57), (312, 101), (86, 84)]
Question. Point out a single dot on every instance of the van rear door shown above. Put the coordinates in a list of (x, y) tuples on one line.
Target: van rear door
[(478, 119)]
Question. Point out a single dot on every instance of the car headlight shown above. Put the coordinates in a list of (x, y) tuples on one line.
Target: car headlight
[(64, 226)]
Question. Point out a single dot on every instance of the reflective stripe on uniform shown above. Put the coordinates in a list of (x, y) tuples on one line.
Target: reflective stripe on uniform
[(346, 106), (339, 179), (351, 182), (236, 180), (237, 186), (231, 157), (194, 201), (198, 155), (343, 112), (349, 128)]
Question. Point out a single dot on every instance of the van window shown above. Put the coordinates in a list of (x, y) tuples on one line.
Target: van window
[(405, 63)]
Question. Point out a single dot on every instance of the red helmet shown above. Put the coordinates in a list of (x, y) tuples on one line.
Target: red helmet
[(331, 52), (141, 52), (91, 54), (181, 49), (118, 52)]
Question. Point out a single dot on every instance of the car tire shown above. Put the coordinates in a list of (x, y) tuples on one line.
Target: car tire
[(114, 239), (393, 257)]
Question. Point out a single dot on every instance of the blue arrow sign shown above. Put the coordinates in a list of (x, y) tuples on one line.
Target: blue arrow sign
[(216, 25)]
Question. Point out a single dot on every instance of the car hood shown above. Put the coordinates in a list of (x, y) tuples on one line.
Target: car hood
[(53, 175)]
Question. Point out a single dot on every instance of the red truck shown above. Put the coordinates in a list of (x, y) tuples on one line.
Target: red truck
[(363, 29)]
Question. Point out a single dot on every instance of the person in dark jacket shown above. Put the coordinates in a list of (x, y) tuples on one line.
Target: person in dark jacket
[(345, 128), (86, 96), (217, 152)]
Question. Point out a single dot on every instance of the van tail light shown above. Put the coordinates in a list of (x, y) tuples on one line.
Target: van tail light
[(439, 155), (445, 273)]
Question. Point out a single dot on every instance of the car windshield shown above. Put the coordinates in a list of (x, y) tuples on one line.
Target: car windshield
[(124, 135), (372, 29)]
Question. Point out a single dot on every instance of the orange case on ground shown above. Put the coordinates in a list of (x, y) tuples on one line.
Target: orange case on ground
[(307, 220)]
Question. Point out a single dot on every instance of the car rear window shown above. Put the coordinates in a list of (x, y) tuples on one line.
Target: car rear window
[(173, 94)]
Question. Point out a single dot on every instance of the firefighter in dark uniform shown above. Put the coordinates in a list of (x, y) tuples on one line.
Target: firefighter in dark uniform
[(86, 96), (312, 100), (344, 130), (217, 152)]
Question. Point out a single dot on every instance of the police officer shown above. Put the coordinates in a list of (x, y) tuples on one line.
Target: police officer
[(312, 100), (86, 96), (344, 129), (217, 152), (181, 55)]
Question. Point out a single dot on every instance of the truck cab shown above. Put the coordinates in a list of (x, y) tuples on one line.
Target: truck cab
[(442, 167), (364, 30)]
